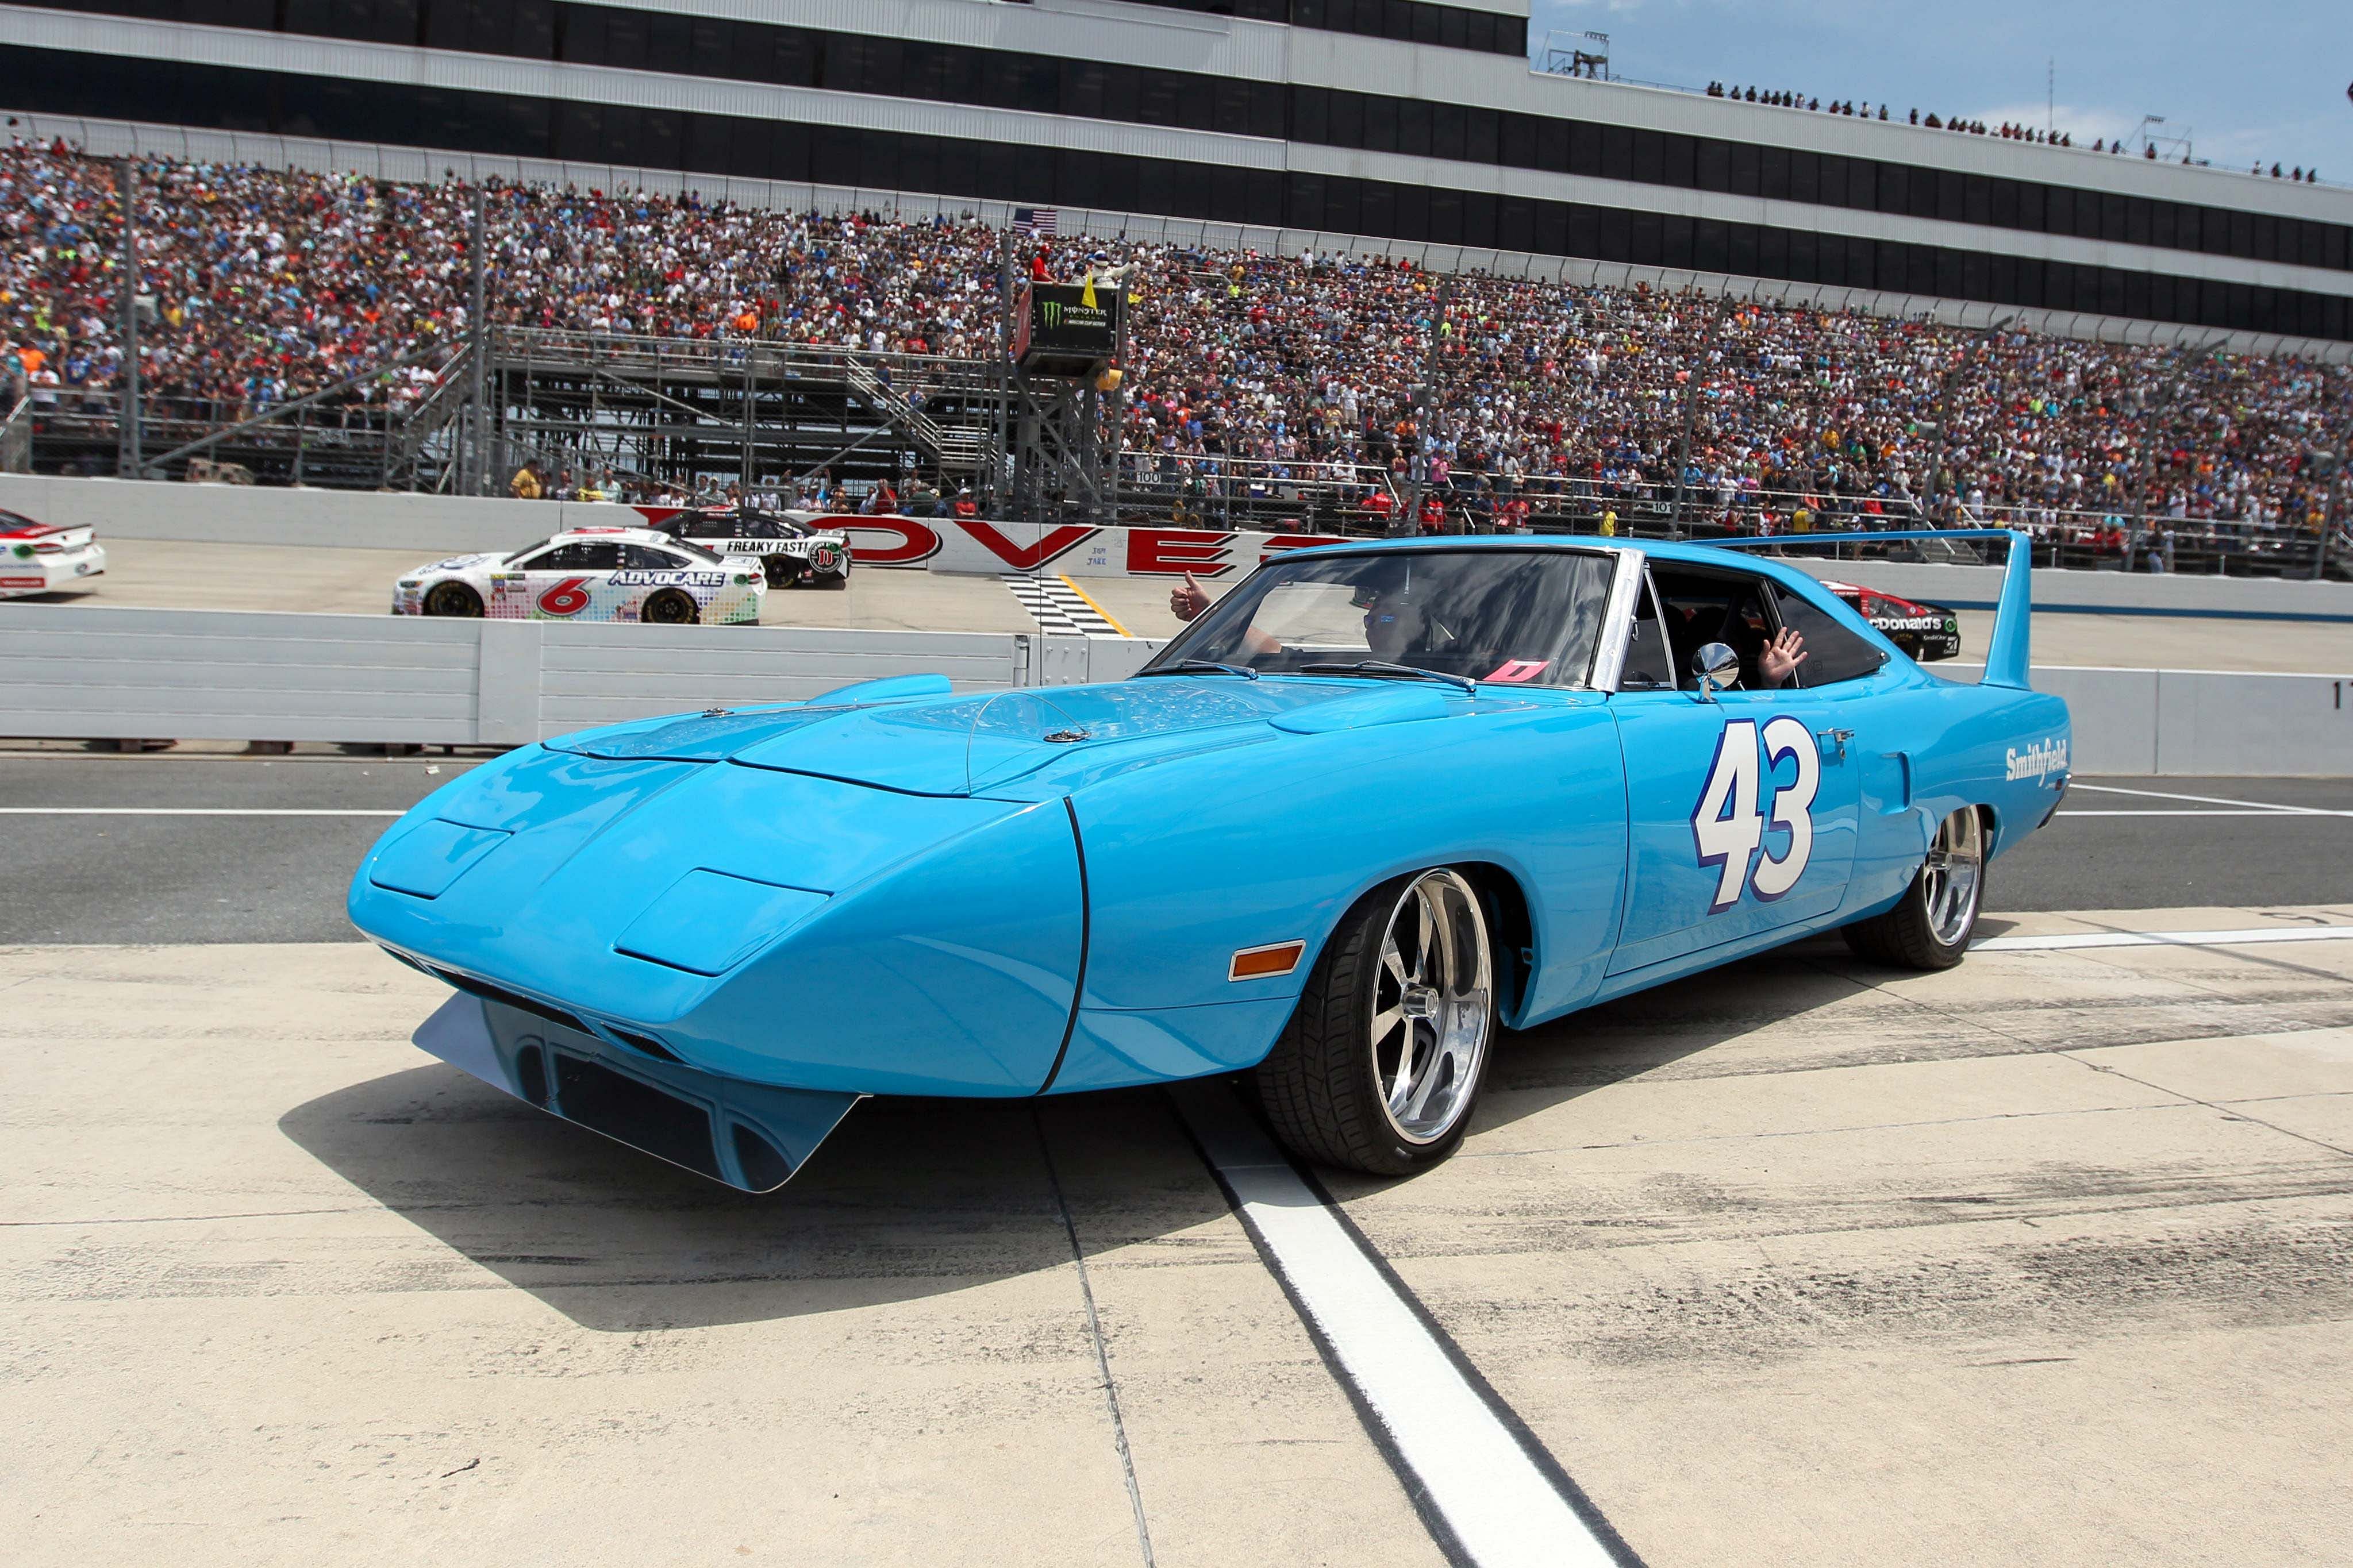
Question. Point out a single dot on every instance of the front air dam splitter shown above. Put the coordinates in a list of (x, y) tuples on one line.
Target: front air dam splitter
[(751, 1136)]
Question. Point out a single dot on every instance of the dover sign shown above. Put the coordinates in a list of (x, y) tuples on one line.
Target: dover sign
[(987, 549)]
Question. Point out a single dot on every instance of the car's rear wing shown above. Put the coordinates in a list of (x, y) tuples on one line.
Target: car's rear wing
[(2006, 650)]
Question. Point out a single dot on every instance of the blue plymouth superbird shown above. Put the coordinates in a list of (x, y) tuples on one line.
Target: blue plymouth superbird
[(1378, 800)]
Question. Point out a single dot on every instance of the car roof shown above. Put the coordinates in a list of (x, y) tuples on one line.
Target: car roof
[(602, 536), (1693, 552)]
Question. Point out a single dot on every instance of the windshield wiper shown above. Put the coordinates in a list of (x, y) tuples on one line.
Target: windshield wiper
[(1201, 667), (1394, 671)]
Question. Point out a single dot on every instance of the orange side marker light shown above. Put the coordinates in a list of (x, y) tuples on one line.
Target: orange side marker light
[(1263, 962)]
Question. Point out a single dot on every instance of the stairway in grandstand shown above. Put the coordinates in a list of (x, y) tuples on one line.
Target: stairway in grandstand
[(684, 408), (954, 448)]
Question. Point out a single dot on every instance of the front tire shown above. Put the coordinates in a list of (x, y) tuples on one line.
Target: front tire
[(1381, 1064), (1930, 927), (454, 599)]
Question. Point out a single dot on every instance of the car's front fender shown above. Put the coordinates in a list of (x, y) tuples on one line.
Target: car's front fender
[(1191, 863)]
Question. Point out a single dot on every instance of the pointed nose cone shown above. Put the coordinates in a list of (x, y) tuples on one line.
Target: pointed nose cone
[(763, 924)]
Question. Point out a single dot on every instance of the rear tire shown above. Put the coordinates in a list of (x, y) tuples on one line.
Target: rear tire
[(1930, 926), (669, 609), (454, 599), (1380, 1067)]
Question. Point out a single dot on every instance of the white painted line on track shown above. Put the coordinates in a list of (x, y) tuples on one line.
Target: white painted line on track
[(1457, 1447), (187, 811), (2062, 942), (2218, 811), (2213, 800)]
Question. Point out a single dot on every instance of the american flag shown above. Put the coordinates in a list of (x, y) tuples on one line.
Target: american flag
[(1036, 220)]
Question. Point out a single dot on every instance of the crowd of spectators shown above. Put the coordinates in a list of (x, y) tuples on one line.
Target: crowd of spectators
[(269, 285), (2008, 131), (1798, 417)]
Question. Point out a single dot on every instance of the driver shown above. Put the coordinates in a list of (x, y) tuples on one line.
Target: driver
[(1393, 619)]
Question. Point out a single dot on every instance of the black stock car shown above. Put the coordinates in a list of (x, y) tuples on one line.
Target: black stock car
[(790, 550), (1924, 632)]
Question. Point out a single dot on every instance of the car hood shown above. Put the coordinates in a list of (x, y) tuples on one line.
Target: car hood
[(457, 563), (972, 744)]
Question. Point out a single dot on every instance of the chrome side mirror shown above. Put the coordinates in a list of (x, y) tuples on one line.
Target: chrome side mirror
[(1717, 667)]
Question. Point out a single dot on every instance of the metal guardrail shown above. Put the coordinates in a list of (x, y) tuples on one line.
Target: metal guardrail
[(2078, 539)]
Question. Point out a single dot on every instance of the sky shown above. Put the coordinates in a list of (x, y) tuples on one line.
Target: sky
[(2261, 78)]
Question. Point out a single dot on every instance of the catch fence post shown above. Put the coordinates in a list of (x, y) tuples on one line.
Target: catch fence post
[(477, 329), (126, 193)]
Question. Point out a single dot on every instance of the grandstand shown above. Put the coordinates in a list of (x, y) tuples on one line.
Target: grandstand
[(766, 245)]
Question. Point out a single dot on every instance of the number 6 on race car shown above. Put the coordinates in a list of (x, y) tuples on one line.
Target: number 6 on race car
[(565, 599), (1726, 829)]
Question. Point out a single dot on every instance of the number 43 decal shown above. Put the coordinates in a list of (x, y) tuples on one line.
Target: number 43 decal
[(1728, 830)]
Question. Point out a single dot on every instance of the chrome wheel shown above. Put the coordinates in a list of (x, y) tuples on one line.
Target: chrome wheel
[(1954, 873), (1433, 1006)]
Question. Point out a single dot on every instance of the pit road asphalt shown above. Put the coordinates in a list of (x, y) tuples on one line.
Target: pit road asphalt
[(2046, 1260), (221, 879)]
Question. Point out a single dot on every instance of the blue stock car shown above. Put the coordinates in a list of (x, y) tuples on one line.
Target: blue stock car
[(1378, 800)]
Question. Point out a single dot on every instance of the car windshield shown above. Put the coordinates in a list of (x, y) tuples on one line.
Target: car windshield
[(1529, 618), (688, 547)]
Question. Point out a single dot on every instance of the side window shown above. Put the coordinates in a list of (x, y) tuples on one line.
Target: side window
[(646, 558), (579, 558), (1834, 653), (1649, 662), (1701, 606)]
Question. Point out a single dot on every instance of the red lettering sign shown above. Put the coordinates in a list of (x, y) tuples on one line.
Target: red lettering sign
[(1052, 544), (915, 542), (1173, 552)]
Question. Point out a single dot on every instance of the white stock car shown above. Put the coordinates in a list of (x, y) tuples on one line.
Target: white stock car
[(591, 574), (44, 558), (794, 547)]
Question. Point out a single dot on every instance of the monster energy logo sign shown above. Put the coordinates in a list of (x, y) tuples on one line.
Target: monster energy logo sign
[(1071, 325), (1054, 315)]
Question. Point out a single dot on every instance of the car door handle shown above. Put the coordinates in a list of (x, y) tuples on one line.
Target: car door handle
[(1838, 739)]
